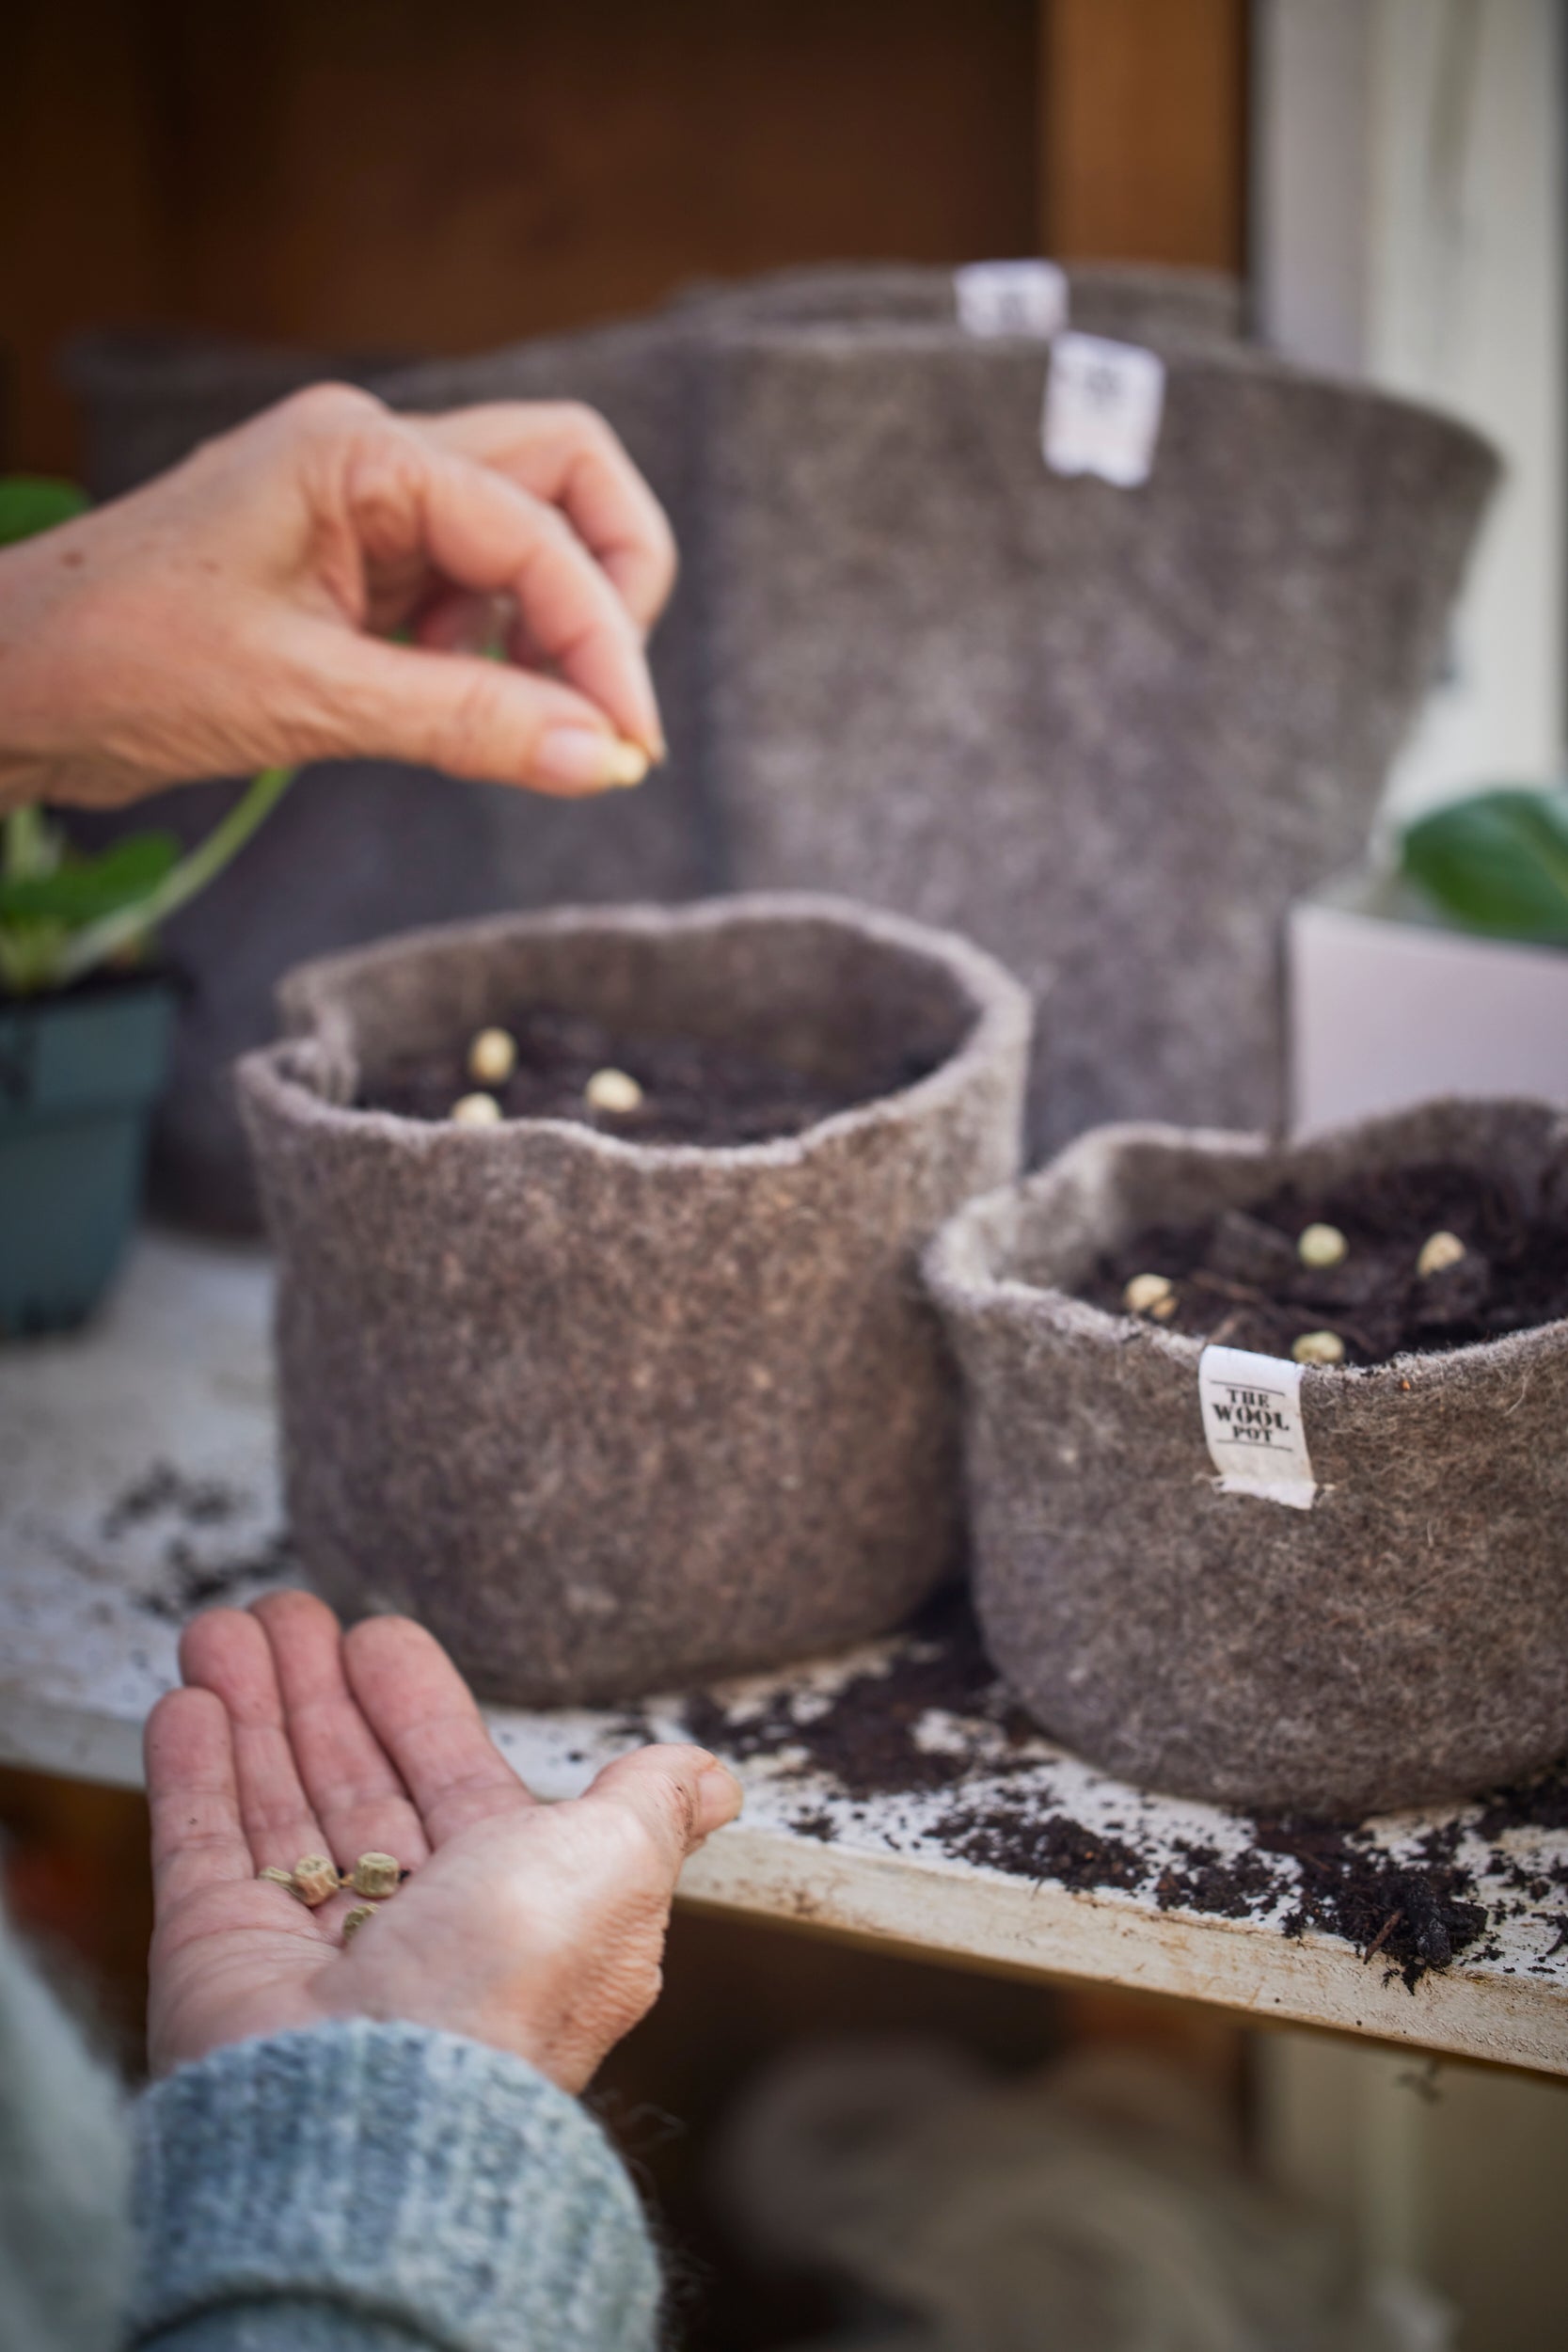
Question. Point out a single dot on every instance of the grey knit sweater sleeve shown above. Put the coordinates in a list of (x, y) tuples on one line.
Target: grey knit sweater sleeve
[(368, 2187)]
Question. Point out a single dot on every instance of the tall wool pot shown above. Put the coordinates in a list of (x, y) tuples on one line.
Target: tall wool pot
[(1402, 1640), (1108, 732), (611, 1416)]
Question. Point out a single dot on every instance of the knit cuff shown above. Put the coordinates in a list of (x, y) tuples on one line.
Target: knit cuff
[(406, 2175)]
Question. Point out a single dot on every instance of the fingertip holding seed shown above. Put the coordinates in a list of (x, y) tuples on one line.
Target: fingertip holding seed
[(1321, 1245), (1150, 1295), (1438, 1252), (476, 1110), (1319, 1347), (316, 1877), (493, 1056), (355, 1920), (613, 1090)]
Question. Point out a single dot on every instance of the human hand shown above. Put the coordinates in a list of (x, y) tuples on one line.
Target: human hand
[(235, 612), (537, 1929)]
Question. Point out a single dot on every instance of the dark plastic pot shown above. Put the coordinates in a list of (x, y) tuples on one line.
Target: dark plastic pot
[(79, 1076)]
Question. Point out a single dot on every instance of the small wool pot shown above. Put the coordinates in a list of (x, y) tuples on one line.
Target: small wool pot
[(1403, 1640), (610, 1416)]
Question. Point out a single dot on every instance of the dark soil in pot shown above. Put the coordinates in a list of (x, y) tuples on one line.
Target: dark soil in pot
[(610, 1414), (683, 1089), (1403, 1639), (1411, 1261)]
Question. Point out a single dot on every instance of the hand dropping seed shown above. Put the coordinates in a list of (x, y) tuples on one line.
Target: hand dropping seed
[(1319, 1347), (492, 1057), (1323, 1246), (613, 1090)]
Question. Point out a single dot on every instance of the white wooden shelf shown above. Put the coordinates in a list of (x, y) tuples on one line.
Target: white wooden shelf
[(138, 1474)]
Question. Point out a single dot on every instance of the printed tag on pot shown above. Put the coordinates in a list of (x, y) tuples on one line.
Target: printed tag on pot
[(1251, 1419), (1104, 403), (1011, 298)]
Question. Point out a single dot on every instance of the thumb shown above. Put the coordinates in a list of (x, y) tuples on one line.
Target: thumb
[(678, 1796), (474, 718)]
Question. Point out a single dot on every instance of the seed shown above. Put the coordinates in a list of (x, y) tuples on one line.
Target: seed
[(1438, 1252), (493, 1056), (1150, 1295), (613, 1090), (1323, 1246), (315, 1879), (375, 1874), (356, 1920), (477, 1110), (279, 1878), (1319, 1347)]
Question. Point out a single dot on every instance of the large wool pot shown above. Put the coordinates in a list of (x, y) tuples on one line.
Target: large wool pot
[(1108, 732), (1404, 1639), (608, 1416)]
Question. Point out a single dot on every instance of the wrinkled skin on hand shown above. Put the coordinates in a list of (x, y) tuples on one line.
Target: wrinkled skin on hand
[(537, 1929), (236, 612)]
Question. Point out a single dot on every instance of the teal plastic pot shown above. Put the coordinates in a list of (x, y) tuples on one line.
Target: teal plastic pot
[(79, 1076)]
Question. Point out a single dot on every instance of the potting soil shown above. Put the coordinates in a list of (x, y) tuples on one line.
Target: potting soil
[(1240, 1281), (695, 1091)]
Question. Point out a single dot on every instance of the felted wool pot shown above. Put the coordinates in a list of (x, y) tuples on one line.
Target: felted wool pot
[(1104, 298), (1403, 1640), (610, 1416), (1109, 732), (361, 847)]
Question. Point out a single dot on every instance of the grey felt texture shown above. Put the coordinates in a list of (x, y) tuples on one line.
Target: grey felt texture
[(608, 1417), (1116, 298), (1403, 1640), (1108, 733)]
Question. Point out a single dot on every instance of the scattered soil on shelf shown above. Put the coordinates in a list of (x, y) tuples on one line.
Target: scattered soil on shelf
[(1409, 1913), (864, 1740), (695, 1091), (1239, 1279), (189, 1579)]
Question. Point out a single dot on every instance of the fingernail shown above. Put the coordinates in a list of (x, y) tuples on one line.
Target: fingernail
[(719, 1796), (576, 756)]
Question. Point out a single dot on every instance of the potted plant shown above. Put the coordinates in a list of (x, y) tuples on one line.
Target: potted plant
[(1267, 1479), (601, 1346), (86, 1017), (1444, 972)]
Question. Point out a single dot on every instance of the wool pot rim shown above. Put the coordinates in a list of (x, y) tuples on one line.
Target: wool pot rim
[(305, 1074), (965, 1265)]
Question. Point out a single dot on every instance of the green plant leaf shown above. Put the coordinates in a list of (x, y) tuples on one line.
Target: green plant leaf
[(81, 889), (31, 503), (1496, 863)]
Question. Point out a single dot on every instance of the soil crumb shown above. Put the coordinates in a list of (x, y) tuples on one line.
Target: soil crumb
[(1240, 1280), (694, 1090)]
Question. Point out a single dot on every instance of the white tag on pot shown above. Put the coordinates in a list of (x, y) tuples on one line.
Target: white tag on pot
[(1104, 402), (1252, 1420), (1011, 298)]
